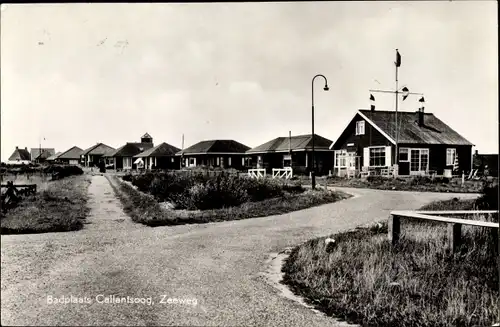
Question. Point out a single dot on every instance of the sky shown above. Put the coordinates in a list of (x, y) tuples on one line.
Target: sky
[(78, 74)]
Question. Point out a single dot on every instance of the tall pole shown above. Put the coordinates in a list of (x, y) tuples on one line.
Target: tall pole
[(396, 116), (313, 167)]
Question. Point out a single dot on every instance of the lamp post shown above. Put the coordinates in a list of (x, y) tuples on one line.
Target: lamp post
[(313, 173)]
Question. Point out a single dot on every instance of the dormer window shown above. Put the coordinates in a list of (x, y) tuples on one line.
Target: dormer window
[(360, 127)]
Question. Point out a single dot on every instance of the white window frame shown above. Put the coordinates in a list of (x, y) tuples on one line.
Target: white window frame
[(451, 153), (340, 159), (407, 150), (382, 156), (127, 163), (420, 152), (360, 127)]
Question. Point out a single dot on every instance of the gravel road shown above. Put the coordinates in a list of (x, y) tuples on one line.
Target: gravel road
[(215, 266)]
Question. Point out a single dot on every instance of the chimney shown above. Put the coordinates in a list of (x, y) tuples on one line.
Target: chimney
[(290, 141), (17, 148), (420, 116), (476, 153)]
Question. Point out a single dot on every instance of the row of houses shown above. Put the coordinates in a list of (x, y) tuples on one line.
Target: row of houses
[(421, 144)]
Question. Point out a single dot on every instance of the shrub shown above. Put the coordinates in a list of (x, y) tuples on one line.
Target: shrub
[(62, 171), (489, 197), (420, 180), (375, 179), (441, 179)]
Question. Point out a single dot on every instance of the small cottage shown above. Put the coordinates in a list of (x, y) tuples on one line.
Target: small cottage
[(293, 151), (214, 153), (91, 156), (161, 156), (71, 156), (20, 156)]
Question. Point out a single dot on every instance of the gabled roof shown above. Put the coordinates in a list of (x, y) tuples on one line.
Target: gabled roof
[(295, 143), (54, 157), (146, 136), (46, 152), (215, 146), (72, 153), (20, 154), (128, 150), (98, 149), (434, 131), (142, 146), (161, 150)]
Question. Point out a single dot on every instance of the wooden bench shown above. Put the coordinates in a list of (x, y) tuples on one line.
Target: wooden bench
[(454, 224)]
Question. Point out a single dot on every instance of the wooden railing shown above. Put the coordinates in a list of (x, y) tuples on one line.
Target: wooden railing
[(22, 188), (257, 173), (454, 224), (286, 172)]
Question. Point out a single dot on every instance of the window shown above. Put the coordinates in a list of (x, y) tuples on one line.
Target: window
[(360, 127), (229, 161), (340, 158), (191, 161), (127, 163), (377, 157), (218, 162), (173, 160), (451, 154), (403, 155)]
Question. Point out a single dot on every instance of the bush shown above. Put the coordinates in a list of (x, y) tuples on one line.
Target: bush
[(420, 180), (489, 197), (62, 171), (375, 179), (442, 180)]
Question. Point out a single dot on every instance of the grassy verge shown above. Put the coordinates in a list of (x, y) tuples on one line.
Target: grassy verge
[(364, 280), (144, 208), (59, 208), (418, 184)]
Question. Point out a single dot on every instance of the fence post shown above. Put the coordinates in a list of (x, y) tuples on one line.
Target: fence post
[(454, 236), (494, 235), (394, 229)]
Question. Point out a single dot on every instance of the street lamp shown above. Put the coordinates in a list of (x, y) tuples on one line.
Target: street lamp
[(313, 173)]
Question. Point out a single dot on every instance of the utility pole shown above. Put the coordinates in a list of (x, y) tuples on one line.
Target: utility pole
[(405, 92)]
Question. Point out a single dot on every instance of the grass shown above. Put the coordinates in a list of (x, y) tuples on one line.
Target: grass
[(417, 183), (364, 280), (145, 209), (60, 207)]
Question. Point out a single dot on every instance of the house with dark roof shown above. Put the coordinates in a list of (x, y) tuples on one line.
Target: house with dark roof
[(425, 144), (122, 158), (161, 156), (21, 156), (214, 153), (71, 156), (91, 156), (53, 157), (41, 154), (295, 152)]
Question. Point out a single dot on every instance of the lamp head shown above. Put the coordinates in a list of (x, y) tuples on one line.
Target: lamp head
[(326, 88)]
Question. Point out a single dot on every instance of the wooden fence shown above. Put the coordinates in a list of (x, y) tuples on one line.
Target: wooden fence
[(257, 173), (286, 172), (454, 224)]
